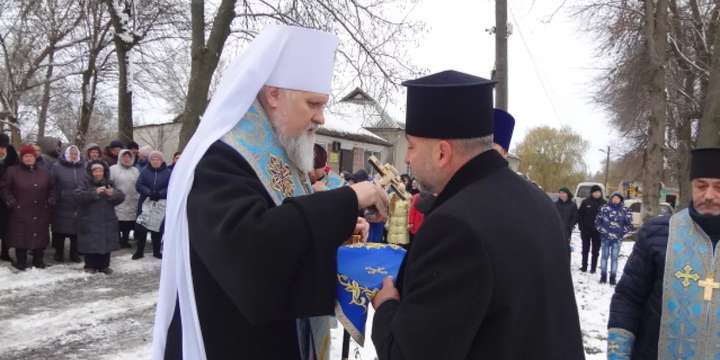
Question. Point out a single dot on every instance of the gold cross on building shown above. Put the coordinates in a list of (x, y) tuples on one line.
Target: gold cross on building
[(686, 275), (709, 285), (613, 347)]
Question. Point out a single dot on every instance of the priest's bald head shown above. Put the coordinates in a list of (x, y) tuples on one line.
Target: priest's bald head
[(449, 122)]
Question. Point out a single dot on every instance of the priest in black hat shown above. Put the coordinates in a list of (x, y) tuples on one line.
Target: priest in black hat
[(488, 274), (666, 304)]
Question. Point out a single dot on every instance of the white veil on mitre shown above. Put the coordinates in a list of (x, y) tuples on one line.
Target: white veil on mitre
[(284, 56)]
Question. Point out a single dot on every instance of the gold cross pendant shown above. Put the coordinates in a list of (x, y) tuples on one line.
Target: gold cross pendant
[(709, 285)]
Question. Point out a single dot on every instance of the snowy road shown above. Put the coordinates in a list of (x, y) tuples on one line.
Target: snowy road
[(63, 313)]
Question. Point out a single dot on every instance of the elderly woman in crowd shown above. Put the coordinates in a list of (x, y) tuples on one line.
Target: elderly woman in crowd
[(98, 224), (152, 186), (124, 174), (68, 175), (27, 192)]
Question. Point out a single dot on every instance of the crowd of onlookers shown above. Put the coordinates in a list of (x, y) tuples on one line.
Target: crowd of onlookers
[(603, 226), (95, 198)]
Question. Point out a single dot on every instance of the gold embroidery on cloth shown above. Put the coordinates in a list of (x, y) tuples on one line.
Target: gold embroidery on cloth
[(356, 290), (281, 176), (373, 246), (686, 275)]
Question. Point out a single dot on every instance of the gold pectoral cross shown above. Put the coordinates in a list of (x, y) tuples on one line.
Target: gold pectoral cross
[(709, 285)]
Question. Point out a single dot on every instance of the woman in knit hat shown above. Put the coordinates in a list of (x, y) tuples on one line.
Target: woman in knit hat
[(152, 185), (27, 192)]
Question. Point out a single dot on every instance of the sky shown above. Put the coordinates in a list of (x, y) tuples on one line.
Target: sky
[(552, 63)]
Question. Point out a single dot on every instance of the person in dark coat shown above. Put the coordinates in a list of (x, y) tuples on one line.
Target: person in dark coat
[(151, 185), (655, 278), (8, 158), (50, 148), (587, 213), (98, 233), (27, 192), (479, 281), (112, 152), (567, 209), (68, 175)]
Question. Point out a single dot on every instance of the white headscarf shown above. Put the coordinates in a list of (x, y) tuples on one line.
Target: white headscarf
[(67, 154), (282, 56)]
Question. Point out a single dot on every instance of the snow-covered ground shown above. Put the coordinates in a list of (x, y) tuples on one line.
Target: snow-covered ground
[(63, 313)]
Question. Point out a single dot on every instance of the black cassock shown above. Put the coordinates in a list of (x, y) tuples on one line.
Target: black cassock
[(258, 267), (487, 276)]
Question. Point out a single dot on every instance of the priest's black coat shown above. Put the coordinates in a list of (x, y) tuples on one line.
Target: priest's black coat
[(257, 267), (487, 276)]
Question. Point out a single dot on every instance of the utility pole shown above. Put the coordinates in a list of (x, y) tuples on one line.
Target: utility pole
[(607, 166), (501, 55)]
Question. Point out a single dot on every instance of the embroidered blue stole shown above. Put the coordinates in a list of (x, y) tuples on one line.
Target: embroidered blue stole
[(253, 138), (690, 325)]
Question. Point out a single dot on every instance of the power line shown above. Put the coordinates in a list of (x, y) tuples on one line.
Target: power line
[(536, 68)]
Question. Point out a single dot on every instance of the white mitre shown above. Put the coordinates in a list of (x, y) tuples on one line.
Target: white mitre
[(284, 56)]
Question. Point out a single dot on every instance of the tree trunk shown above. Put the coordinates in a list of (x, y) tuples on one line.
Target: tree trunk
[(125, 119), (125, 93), (89, 90), (205, 57), (45, 101), (709, 133), (656, 29)]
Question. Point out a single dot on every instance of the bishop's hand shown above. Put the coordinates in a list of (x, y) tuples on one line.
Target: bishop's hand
[(371, 195)]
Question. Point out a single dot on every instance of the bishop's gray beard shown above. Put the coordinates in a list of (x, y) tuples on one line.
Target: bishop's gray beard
[(299, 149)]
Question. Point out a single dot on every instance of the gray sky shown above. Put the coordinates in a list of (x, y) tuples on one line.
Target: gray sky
[(551, 70), (558, 52)]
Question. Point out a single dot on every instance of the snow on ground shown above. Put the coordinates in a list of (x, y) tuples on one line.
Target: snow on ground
[(64, 313), (593, 300)]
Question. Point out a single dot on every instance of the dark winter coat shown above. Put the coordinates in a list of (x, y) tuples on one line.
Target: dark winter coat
[(153, 183), (97, 223), (67, 177), (482, 282), (588, 212), (568, 214), (10, 159), (28, 194), (637, 303)]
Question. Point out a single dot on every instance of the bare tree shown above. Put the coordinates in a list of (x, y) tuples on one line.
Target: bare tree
[(371, 46), (23, 56), (97, 26), (133, 21)]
